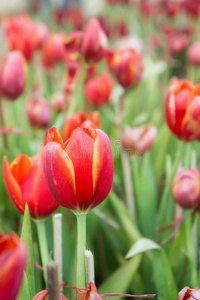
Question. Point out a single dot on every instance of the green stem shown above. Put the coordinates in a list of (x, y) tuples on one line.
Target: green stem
[(81, 246), (78, 97), (187, 157), (3, 124), (43, 246)]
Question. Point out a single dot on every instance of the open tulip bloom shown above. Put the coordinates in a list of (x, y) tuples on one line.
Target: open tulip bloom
[(79, 173)]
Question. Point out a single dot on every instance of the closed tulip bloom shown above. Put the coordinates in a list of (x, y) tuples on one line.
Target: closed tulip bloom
[(182, 109), (58, 102), (194, 54), (53, 50), (80, 119), (98, 90), (38, 112), (186, 188), (43, 295), (13, 75), (80, 172), (188, 293), (127, 67), (138, 140), (13, 257), (89, 45), (26, 183)]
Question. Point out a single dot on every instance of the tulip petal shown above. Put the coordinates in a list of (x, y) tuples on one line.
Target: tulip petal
[(12, 186), (59, 173), (53, 135), (44, 203), (80, 150), (20, 167), (42, 295), (103, 168)]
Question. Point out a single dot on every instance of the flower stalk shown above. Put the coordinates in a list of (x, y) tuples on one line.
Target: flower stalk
[(43, 246)]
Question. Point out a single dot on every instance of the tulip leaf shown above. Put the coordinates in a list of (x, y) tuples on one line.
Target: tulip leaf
[(26, 237), (124, 217), (145, 195), (24, 291), (140, 246), (181, 256), (121, 279), (163, 276)]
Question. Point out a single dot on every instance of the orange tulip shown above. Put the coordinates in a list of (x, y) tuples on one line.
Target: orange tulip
[(26, 183), (13, 257), (80, 172)]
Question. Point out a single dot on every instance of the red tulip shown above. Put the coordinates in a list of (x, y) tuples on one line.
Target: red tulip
[(38, 112), (13, 257), (58, 102), (140, 139), (98, 89), (53, 50), (182, 109), (188, 293), (186, 188), (80, 119), (80, 172), (127, 67), (13, 75), (26, 183), (194, 54), (89, 45)]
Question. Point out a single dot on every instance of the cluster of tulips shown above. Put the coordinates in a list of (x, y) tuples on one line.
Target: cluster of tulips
[(89, 136)]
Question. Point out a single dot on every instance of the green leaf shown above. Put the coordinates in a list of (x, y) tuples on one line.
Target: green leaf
[(124, 217), (122, 278), (24, 291), (140, 246), (26, 237), (145, 196), (163, 276)]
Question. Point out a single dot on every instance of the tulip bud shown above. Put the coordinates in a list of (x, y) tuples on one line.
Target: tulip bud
[(182, 107), (127, 67), (80, 172), (89, 45), (97, 90), (138, 140), (186, 188), (194, 54), (13, 257), (13, 75), (58, 102), (38, 112), (25, 182), (188, 293), (80, 119), (53, 50), (43, 295), (178, 42)]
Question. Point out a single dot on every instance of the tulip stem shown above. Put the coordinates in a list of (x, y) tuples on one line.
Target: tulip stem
[(3, 124), (43, 246), (81, 245), (128, 182)]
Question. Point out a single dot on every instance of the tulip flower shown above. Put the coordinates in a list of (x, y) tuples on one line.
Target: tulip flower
[(127, 67), (58, 102), (88, 45), (13, 75), (138, 140), (38, 112), (186, 188), (53, 50), (182, 106), (194, 54), (80, 119), (188, 293), (26, 183), (80, 172), (98, 90), (13, 257)]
